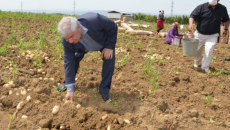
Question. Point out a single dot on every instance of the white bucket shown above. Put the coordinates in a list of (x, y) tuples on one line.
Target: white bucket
[(176, 42), (190, 46)]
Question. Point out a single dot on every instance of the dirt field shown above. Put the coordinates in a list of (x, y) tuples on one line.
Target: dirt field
[(178, 103)]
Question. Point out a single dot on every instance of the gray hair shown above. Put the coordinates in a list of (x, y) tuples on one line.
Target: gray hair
[(66, 25)]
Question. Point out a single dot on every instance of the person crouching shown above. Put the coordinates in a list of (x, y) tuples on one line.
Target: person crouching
[(173, 33)]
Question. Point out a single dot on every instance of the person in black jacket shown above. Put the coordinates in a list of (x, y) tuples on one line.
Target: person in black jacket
[(208, 16)]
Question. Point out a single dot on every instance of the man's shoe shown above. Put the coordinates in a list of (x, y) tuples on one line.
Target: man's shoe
[(61, 88), (196, 64), (227, 59), (106, 96)]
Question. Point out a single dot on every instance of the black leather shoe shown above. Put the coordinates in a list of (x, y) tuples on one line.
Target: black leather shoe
[(61, 88), (227, 59), (106, 96)]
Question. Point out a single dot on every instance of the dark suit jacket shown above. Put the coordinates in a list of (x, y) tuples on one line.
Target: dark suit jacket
[(100, 28)]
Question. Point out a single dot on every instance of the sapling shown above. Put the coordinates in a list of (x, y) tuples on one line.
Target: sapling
[(208, 99), (11, 119), (14, 71), (221, 86)]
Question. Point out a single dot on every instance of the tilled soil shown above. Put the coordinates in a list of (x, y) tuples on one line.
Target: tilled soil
[(177, 103)]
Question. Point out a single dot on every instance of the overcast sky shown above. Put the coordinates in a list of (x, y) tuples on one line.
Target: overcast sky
[(143, 6)]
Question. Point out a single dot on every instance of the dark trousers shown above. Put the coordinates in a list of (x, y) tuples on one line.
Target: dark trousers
[(74, 53), (158, 30)]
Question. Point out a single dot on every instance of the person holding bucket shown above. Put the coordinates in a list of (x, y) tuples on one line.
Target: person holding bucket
[(160, 21), (173, 34), (208, 16)]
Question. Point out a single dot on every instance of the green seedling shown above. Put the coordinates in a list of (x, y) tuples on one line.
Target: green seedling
[(211, 120), (140, 98), (76, 98), (219, 72), (191, 104), (208, 99), (115, 104), (11, 119), (140, 44), (84, 69), (223, 50), (221, 86), (151, 75), (95, 96), (7, 80), (179, 68), (4, 51), (177, 52), (56, 89), (213, 58), (14, 71), (124, 61)]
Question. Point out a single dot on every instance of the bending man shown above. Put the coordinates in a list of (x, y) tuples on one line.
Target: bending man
[(88, 32)]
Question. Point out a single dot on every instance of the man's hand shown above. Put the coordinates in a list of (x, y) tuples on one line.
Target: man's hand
[(190, 27), (107, 53), (69, 96), (225, 33)]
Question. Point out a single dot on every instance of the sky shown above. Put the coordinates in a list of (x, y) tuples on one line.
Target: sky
[(181, 7)]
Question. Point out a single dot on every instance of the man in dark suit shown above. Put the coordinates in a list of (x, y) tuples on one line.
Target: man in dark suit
[(88, 32)]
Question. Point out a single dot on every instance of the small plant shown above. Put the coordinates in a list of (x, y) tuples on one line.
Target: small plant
[(7, 80), (95, 96), (140, 98), (211, 120), (14, 71), (151, 75), (84, 68), (191, 104), (3, 51), (11, 119), (179, 68), (129, 45), (223, 49), (140, 45), (37, 60), (221, 86), (76, 98), (213, 58), (219, 72), (56, 89), (124, 61), (115, 103), (177, 52), (208, 99)]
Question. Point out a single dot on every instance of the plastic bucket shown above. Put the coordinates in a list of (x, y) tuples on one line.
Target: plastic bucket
[(176, 42), (190, 46)]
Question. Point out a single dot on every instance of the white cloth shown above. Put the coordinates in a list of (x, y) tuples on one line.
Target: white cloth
[(213, 2), (209, 41)]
